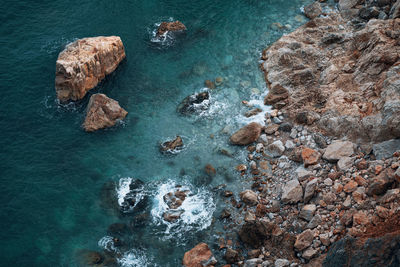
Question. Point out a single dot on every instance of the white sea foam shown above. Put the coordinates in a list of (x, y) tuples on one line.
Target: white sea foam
[(198, 208), (123, 189), (135, 258), (256, 101), (107, 243)]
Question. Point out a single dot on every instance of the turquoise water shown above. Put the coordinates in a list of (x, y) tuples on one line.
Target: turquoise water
[(53, 173)]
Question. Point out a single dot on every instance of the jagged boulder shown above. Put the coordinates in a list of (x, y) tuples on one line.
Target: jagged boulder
[(84, 63), (174, 26), (246, 135), (102, 112)]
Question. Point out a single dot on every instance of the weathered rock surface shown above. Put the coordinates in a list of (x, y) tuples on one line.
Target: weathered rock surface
[(313, 10), (172, 146), (337, 150), (344, 82), (199, 256), (174, 26), (194, 103), (386, 149), (378, 251), (292, 192), (102, 112), (247, 135), (249, 197), (84, 63)]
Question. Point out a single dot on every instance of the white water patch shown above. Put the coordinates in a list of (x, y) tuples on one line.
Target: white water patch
[(164, 39), (197, 210), (107, 243), (256, 101), (134, 258), (123, 189)]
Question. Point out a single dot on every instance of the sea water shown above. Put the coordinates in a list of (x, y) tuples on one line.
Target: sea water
[(53, 173)]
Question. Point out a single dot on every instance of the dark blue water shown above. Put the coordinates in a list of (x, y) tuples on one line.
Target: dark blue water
[(52, 172)]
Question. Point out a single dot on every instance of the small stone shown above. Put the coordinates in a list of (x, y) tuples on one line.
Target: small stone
[(289, 145), (347, 202), (249, 197), (292, 192), (310, 189), (325, 239), (350, 187), (338, 149), (382, 212), (309, 253), (360, 181), (282, 263), (328, 182), (345, 163), (241, 167), (310, 156), (313, 10), (303, 173), (276, 149), (252, 262), (315, 221), (307, 212), (304, 240), (210, 170), (231, 255), (360, 218), (271, 129)]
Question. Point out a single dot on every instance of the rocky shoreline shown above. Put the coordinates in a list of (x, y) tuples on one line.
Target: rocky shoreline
[(326, 164)]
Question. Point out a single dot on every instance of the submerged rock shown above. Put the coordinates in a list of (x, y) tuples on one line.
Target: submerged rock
[(166, 27), (102, 112), (135, 199), (172, 146), (199, 256), (84, 63), (194, 103), (246, 135)]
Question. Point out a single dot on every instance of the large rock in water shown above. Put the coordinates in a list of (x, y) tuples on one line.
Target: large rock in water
[(102, 112), (84, 63), (347, 78), (174, 26), (199, 256), (247, 135)]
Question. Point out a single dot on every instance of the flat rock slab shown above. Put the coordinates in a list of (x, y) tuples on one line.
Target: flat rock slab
[(386, 149)]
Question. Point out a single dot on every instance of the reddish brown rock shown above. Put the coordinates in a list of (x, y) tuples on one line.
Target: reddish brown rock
[(199, 256), (210, 170), (172, 146), (304, 240), (102, 112), (310, 156), (175, 26), (247, 135), (84, 63), (350, 186), (360, 218)]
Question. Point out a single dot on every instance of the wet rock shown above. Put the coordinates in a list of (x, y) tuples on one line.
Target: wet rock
[(102, 112), (310, 156), (246, 135), (313, 10), (194, 103), (225, 214), (292, 192), (199, 256), (386, 149), (304, 240), (338, 149), (231, 255), (172, 146), (135, 200), (84, 63), (249, 197), (172, 215), (276, 149), (377, 251), (252, 112), (175, 200), (210, 170), (175, 26)]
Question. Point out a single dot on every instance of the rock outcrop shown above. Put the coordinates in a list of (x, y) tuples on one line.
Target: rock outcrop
[(199, 256), (84, 63), (172, 146), (102, 112), (174, 26), (194, 103), (246, 135), (339, 80)]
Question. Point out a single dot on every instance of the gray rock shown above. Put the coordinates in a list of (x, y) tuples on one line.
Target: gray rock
[(345, 163), (348, 4), (249, 197), (292, 192), (315, 221), (276, 149), (309, 253), (338, 149), (310, 189), (307, 212), (303, 173), (282, 263), (386, 149)]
